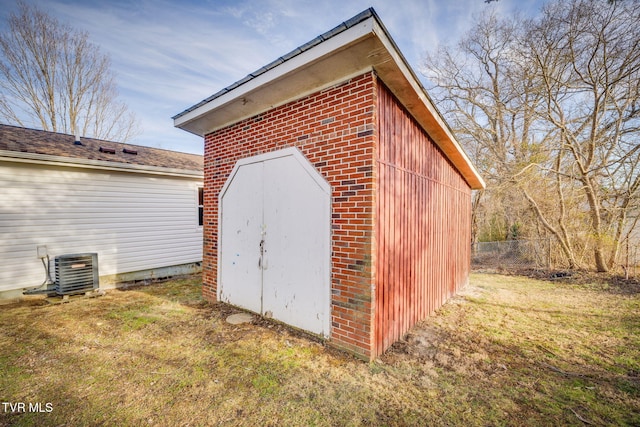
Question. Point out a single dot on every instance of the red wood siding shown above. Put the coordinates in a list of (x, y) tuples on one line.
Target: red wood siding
[(335, 130), (423, 218)]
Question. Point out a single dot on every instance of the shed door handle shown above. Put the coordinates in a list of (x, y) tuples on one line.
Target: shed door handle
[(261, 253)]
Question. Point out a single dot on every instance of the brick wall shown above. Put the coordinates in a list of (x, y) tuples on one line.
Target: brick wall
[(335, 130)]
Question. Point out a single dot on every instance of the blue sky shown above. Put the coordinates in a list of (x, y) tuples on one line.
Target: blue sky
[(168, 55)]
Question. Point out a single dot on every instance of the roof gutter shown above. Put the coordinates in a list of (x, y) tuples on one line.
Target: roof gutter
[(46, 159)]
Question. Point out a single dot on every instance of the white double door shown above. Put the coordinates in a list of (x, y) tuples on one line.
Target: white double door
[(274, 240)]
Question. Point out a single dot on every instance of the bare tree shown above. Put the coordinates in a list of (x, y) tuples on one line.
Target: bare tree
[(588, 60), (52, 76), (490, 98), (549, 109)]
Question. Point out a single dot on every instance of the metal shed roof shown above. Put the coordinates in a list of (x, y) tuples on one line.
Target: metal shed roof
[(356, 46)]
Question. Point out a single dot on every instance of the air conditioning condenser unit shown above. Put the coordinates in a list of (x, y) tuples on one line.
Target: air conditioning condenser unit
[(76, 273)]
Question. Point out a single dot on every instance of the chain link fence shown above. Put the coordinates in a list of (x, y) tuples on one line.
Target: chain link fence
[(540, 254), (512, 254)]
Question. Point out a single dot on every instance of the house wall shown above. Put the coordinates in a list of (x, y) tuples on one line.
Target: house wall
[(134, 221), (423, 220), (335, 130)]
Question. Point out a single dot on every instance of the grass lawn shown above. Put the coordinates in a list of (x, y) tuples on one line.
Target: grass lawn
[(507, 351)]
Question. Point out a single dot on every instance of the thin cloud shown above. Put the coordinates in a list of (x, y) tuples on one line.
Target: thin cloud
[(169, 55)]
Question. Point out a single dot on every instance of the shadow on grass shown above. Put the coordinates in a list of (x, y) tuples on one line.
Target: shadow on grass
[(154, 355)]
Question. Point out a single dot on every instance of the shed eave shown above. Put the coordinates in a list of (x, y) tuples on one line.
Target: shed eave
[(327, 63), (405, 85), (351, 52)]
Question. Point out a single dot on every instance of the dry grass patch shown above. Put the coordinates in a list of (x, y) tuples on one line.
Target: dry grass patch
[(509, 351)]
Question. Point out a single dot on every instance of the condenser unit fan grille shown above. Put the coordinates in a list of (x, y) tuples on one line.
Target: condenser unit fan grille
[(76, 273)]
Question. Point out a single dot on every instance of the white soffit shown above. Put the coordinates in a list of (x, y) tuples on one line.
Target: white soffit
[(401, 80), (330, 62)]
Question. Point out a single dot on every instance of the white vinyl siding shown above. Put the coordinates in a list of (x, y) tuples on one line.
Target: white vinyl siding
[(134, 221)]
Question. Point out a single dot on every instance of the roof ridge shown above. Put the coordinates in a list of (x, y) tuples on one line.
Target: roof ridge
[(98, 139)]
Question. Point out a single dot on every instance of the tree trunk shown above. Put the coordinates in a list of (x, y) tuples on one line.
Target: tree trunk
[(566, 247), (596, 226), (601, 264)]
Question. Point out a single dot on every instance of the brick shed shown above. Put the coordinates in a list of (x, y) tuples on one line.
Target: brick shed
[(336, 198)]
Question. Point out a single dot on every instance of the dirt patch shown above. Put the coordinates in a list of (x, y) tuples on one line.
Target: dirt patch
[(613, 283), (422, 343)]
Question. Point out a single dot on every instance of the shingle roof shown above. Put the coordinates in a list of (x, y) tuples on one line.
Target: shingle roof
[(33, 141)]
